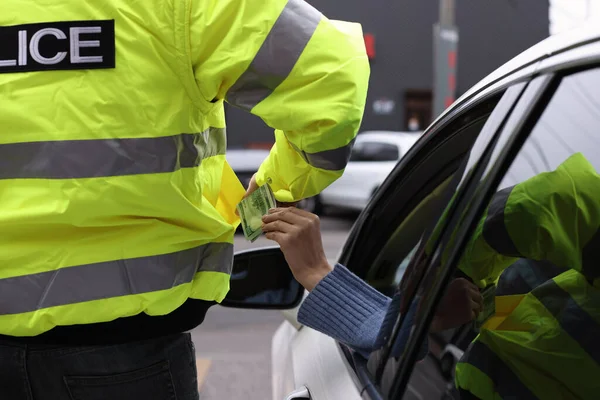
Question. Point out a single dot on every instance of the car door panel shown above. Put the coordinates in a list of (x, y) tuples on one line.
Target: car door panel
[(320, 365), (283, 379)]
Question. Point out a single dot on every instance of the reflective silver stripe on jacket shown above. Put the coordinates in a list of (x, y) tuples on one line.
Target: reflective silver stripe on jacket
[(506, 383), (331, 160), (524, 275), (573, 319), (72, 159), (105, 280), (277, 56), (494, 228)]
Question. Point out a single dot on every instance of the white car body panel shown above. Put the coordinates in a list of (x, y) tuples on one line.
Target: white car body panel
[(283, 378), (308, 358), (356, 186)]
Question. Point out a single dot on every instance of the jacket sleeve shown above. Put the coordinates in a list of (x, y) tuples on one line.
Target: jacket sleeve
[(306, 76)]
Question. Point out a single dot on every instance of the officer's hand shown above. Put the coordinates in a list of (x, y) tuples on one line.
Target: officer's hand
[(461, 304), (298, 232), (252, 186)]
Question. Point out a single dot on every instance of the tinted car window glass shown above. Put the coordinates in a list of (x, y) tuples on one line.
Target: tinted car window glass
[(534, 259), (374, 151)]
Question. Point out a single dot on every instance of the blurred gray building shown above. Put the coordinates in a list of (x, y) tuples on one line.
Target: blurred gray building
[(400, 33)]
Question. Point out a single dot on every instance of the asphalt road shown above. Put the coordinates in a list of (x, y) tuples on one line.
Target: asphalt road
[(233, 347)]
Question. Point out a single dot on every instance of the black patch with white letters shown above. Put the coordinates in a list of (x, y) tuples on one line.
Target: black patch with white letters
[(56, 46)]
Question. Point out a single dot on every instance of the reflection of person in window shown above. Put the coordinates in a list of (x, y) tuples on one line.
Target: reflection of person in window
[(343, 306), (543, 340)]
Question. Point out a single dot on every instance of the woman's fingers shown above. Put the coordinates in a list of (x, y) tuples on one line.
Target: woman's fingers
[(278, 226), (476, 307), (275, 236), (476, 296), (252, 186), (283, 214)]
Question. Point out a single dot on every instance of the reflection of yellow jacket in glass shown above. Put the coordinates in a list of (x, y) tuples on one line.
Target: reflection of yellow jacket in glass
[(542, 342), (116, 196)]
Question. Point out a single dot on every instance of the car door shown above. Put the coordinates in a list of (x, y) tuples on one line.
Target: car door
[(408, 202), (370, 163), (552, 131)]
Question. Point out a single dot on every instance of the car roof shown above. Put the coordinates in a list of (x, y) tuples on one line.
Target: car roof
[(403, 138), (544, 49)]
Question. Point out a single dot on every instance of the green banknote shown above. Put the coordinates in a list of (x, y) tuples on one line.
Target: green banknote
[(253, 208), (489, 307)]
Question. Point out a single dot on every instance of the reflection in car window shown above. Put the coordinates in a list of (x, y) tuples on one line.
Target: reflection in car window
[(534, 256), (569, 124), (374, 151), (542, 230), (403, 265)]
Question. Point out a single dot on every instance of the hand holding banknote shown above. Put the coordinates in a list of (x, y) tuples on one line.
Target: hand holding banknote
[(298, 232), (256, 203), (252, 186)]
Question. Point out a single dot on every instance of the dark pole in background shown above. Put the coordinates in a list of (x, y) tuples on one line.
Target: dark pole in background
[(445, 47)]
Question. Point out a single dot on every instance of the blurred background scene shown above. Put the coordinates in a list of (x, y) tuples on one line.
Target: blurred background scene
[(424, 55)]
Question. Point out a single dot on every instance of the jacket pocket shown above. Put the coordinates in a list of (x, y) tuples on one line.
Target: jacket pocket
[(149, 383)]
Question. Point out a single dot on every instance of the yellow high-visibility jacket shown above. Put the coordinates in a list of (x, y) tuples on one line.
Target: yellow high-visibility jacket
[(543, 340), (115, 196)]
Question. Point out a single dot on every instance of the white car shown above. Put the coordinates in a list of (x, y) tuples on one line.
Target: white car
[(245, 162), (374, 156), (524, 119)]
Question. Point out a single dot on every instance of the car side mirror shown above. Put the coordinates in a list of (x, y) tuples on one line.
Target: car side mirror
[(261, 279)]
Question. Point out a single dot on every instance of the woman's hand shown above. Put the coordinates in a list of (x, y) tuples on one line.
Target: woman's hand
[(298, 233)]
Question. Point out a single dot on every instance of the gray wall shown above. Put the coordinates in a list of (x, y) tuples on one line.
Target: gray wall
[(501, 30), (491, 33)]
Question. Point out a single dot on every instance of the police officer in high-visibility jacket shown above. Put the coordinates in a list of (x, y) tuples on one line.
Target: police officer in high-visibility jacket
[(117, 205), (542, 341)]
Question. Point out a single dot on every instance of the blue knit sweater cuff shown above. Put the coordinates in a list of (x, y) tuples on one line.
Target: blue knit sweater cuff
[(346, 308)]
